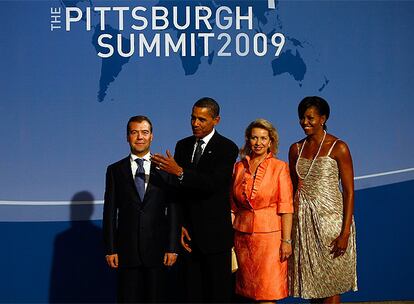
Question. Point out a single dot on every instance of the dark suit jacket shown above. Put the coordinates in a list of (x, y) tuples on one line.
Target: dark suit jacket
[(139, 232), (204, 192)]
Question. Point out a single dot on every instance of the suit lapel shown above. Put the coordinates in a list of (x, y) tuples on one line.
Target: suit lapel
[(190, 150), (127, 173), (207, 153), (209, 149), (148, 191), (154, 181)]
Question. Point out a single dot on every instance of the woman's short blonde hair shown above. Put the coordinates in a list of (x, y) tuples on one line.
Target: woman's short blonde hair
[(261, 124)]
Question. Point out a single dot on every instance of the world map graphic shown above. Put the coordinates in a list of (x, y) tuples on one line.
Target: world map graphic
[(289, 61)]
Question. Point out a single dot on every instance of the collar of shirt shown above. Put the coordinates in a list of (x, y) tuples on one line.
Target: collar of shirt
[(146, 164), (205, 139)]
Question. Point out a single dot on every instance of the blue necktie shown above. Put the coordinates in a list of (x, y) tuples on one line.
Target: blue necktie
[(140, 178)]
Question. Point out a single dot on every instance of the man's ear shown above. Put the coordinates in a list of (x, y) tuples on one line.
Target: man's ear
[(216, 120)]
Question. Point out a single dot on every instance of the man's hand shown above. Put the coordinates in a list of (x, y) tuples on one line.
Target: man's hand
[(112, 260), (185, 236), (167, 163), (170, 258)]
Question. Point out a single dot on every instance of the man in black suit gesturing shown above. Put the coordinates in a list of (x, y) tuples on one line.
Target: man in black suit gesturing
[(140, 225), (203, 164)]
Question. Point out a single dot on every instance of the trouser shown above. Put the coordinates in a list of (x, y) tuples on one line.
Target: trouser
[(141, 284), (208, 277)]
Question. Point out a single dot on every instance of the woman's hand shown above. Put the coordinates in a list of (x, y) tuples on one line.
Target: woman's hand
[(286, 241), (339, 245), (285, 251)]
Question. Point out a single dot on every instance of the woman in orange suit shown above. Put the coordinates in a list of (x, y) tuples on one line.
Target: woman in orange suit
[(262, 205)]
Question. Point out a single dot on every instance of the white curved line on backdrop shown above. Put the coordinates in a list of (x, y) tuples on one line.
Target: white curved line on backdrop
[(100, 202), (384, 173), (49, 203)]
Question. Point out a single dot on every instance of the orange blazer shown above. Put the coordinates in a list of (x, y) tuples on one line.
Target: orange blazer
[(258, 201)]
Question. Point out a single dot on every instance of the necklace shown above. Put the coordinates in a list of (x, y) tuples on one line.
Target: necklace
[(313, 160)]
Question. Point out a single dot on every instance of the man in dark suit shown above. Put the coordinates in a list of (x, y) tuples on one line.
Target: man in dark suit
[(203, 165), (140, 224)]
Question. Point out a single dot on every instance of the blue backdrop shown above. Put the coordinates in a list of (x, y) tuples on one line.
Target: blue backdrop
[(65, 108)]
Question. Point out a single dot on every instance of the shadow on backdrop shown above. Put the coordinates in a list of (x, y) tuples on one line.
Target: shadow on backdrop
[(79, 272)]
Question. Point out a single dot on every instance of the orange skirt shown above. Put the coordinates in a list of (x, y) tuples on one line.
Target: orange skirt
[(261, 275)]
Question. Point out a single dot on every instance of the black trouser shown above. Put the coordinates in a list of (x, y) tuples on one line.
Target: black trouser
[(141, 284), (208, 277)]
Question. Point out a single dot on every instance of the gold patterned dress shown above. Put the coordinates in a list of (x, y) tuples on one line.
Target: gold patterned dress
[(314, 273)]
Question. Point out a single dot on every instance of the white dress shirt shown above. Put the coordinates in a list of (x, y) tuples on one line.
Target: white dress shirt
[(146, 165), (205, 140)]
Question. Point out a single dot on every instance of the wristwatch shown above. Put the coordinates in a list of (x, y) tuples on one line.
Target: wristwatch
[(181, 176)]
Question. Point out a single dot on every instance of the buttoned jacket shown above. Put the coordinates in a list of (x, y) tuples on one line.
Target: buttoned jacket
[(140, 232), (258, 199)]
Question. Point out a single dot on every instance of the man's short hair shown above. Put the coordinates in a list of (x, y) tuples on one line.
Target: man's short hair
[(139, 118), (210, 103)]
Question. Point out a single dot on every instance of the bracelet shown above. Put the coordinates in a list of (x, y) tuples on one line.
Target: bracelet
[(287, 242), (181, 176)]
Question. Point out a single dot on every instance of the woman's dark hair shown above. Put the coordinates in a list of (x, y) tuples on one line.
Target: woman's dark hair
[(314, 101)]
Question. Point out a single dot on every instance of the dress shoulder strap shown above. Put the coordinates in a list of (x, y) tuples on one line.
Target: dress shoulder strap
[(330, 150), (300, 148)]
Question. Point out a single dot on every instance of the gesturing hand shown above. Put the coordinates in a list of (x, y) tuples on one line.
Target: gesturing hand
[(167, 163)]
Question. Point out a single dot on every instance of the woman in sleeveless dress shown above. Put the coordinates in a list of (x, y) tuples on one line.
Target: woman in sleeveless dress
[(262, 204), (323, 265)]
